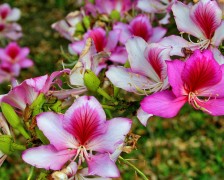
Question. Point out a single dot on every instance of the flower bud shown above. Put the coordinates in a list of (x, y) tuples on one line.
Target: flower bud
[(91, 81), (115, 15), (6, 144), (10, 115), (86, 22)]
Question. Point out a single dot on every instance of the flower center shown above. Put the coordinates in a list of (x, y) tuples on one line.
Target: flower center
[(82, 154), (195, 101)]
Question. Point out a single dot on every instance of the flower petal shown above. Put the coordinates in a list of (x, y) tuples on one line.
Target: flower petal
[(164, 104), (125, 32), (174, 69), (124, 78), (116, 130), (85, 119), (47, 157), (218, 35), (119, 55), (103, 166), (136, 47), (143, 116), (212, 106), (52, 126), (207, 16), (201, 71), (184, 21), (157, 34)]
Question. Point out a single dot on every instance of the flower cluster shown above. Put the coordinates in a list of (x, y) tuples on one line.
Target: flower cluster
[(124, 59)]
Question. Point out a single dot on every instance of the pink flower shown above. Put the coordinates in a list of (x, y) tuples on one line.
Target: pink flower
[(140, 26), (13, 58), (67, 28), (7, 14), (8, 28), (25, 93), (81, 134), (102, 43), (203, 21), (157, 6), (198, 81), (10, 31), (4, 129), (147, 73)]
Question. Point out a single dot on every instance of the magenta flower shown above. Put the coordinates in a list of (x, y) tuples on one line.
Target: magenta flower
[(157, 6), (198, 81), (81, 134), (140, 26), (13, 58), (102, 43), (203, 21)]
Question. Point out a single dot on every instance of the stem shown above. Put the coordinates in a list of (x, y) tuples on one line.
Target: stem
[(135, 168), (104, 94), (18, 147), (108, 107), (31, 173)]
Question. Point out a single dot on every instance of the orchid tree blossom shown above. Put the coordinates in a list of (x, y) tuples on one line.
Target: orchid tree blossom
[(147, 72), (140, 26), (103, 42), (67, 28), (13, 58), (4, 129), (203, 21), (82, 134), (7, 14), (157, 6), (25, 93), (8, 28), (198, 81)]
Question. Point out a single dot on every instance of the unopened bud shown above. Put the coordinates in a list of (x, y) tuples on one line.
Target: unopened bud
[(91, 81), (115, 15), (6, 144), (10, 115), (13, 119), (86, 22)]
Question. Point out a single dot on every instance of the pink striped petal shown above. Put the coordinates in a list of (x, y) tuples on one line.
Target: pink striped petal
[(207, 16), (103, 166), (218, 35), (157, 34), (136, 48), (119, 55), (201, 71), (184, 20), (47, 157), (52, 126), (85, 119), (140, 26), (164, 104)]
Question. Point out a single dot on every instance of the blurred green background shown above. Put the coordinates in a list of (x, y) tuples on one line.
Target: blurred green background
[(189, 146)]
